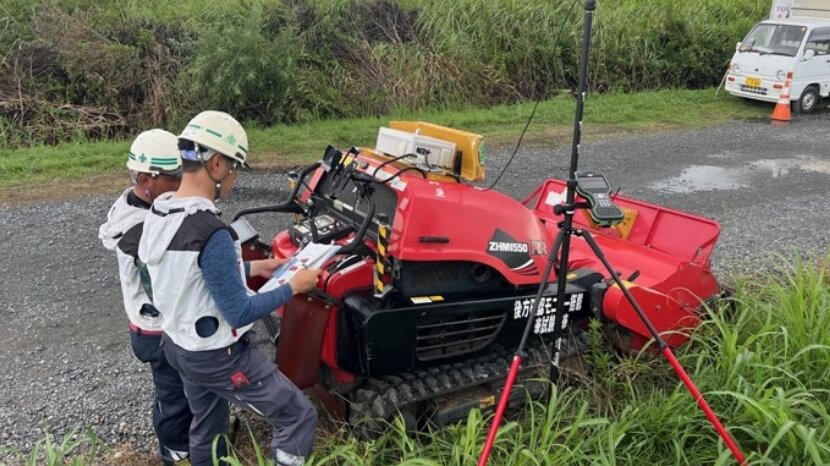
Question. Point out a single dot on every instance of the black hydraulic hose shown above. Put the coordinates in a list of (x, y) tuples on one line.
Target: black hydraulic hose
[(289, 205)]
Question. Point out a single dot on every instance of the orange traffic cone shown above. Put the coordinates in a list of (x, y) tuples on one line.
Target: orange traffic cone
[(781, 114)]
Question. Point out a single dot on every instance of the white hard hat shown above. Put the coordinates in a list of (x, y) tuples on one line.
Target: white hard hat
[(157, 152), (219, 132)]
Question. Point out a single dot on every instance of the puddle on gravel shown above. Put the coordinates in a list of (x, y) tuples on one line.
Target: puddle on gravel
[(712, 178)]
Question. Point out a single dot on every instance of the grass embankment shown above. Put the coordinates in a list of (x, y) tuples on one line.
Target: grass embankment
[(92, 167), (763, 365)]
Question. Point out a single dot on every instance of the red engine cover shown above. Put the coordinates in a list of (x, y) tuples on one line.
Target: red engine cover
[(474, 225)]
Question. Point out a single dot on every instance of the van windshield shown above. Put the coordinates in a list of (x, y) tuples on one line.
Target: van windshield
[(775, 39)]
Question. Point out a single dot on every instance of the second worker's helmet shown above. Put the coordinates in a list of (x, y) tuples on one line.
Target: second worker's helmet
[(155, 152)]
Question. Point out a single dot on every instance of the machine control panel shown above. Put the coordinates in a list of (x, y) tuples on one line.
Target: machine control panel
[(325, 227)]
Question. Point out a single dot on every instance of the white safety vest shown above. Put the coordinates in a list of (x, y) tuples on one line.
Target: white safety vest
[(121, 234), (175, 232)]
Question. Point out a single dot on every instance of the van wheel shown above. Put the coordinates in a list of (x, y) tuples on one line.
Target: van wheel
[(808, 101)]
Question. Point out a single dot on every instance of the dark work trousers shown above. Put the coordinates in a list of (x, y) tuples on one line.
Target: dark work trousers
[(171, 413), (241, 374)]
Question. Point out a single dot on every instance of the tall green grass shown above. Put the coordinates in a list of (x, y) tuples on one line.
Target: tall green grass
[(762, 361), (155, 63)]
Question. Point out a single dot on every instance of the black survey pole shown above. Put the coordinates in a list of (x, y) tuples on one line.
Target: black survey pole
[(560, 322), (561, 243)]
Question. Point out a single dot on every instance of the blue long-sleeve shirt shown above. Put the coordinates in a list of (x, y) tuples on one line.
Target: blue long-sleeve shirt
[(220, 270)]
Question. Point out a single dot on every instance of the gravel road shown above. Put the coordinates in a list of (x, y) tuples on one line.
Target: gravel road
[(66, 358)]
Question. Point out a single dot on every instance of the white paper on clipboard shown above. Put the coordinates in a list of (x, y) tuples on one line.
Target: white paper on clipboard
[(312, 256)]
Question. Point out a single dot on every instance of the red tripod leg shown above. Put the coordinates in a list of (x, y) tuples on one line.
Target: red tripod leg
[(713, 418), (667, 353), (505, 396)]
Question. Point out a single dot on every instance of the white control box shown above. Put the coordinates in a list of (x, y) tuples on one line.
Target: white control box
[(429, 152)]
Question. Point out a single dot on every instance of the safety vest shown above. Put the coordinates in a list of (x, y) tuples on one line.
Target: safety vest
[(175, 231), (121, 233)]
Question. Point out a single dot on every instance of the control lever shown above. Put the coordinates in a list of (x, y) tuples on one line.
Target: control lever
[(343, 181), (333, 161), (312, 222), (331, 158)]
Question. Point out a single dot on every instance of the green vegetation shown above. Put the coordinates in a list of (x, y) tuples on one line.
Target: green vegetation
[(762, 364), (76, 448), (287, 145), (74, 69)]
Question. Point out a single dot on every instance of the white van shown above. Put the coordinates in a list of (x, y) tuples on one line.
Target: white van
[(799, 43)]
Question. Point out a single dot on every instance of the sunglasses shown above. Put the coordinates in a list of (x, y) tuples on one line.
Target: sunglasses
[(203, 153)]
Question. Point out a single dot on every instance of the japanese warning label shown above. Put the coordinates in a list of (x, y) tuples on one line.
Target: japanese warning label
[(546, 312)]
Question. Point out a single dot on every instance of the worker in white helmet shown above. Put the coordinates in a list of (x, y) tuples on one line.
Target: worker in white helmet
[(154, 165), (194, 265)]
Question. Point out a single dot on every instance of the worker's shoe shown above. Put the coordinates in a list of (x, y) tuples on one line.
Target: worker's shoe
[(173, 457)]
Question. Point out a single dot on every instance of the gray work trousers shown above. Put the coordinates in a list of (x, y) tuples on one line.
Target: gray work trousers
[(241, 374), (171, 413)]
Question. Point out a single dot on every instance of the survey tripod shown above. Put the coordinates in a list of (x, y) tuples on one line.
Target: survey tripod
[(602, 210)]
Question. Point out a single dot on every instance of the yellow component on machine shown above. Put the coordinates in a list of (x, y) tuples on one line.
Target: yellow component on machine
[(625, 225), (470, 145), (487, 401), (381, 259)]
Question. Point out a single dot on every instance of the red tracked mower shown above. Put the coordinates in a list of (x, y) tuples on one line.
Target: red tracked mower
[(422, 307)]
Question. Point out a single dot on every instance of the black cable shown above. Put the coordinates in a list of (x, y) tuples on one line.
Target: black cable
[(516, 150), (535, 105), (422, 172), (392, 160), (402, 170), (426, 161)]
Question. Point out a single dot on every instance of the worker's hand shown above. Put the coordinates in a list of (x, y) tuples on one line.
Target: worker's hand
[(304, 280), (265, 268)]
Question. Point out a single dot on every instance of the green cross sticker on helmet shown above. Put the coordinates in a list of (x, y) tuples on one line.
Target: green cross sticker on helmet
[(156, 152), (220, 132)]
